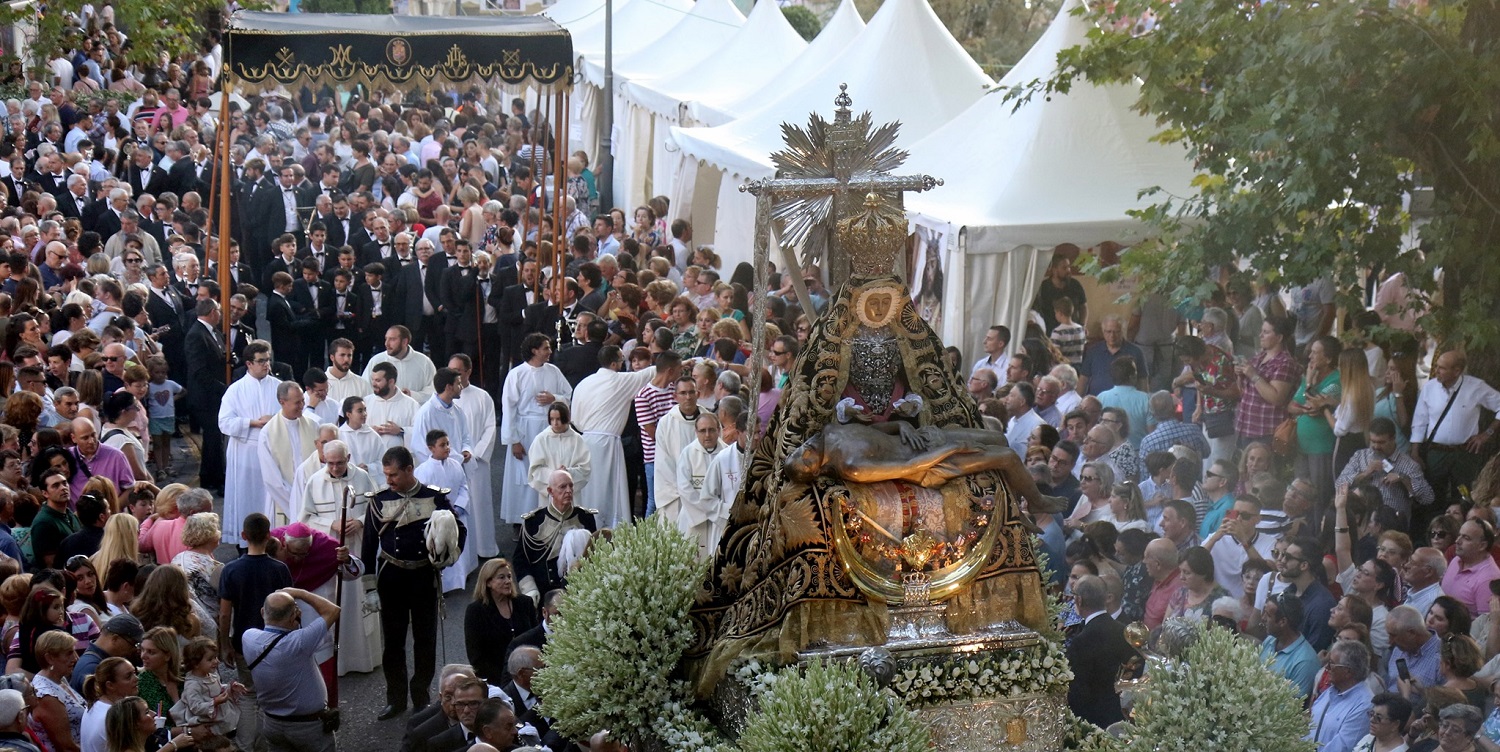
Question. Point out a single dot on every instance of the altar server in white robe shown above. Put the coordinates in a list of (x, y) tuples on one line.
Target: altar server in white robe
[(601, 406), (390, 411), (315, 385), (558, 447), (248, 405), (342, 382), (529, 388), (326, 432), (675, 431), (415, 370), (725, 474), (359, 635), (287, 439), (443, 470), (696, 515), (365, 446), (441, 413), (479, 411)]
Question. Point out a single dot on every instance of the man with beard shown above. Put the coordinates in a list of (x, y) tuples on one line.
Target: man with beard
[(390, 410)]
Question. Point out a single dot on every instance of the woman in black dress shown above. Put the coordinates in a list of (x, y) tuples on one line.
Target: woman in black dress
[(494, 617)]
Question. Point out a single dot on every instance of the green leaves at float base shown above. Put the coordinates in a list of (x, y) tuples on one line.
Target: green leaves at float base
[(622, 628), (1311, 123), (831, 707)]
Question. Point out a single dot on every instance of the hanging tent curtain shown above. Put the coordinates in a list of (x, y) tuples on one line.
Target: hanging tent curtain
[(279, 49)]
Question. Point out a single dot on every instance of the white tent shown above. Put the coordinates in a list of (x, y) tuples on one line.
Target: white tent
[(577, 14), (707, 29), (748, 61), (638, 24), (905, 66), (1058, 170)]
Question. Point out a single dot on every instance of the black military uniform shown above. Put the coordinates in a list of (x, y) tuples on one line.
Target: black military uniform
[(542, 531), (395, 548)]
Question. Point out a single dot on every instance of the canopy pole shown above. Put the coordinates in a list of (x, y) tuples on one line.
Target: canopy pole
[(559, 249), (225, 198)]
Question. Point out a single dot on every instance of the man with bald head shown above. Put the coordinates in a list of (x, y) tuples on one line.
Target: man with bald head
[(289, 688), (287, 439), (114, 359), (1096, 654), (96, 459), (1447, 437), (1424, 573), (1161, 565), (542, 532)]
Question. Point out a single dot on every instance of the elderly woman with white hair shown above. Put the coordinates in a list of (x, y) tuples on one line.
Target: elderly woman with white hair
[(201, 536)]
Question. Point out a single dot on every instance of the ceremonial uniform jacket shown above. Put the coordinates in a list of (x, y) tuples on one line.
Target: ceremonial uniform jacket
[(396, 527), (542, 531)]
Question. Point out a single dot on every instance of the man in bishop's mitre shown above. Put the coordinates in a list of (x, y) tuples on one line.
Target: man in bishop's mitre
[(873, 445)]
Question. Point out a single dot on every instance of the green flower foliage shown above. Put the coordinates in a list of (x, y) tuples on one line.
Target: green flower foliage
[(831, 707), (1310, 124), (621, 631), (1220, 696)]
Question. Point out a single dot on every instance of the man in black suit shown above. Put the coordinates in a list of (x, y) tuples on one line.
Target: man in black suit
[(523, 664), (430, 722), (420, 290), (109, 214), (262, 212), (50, 175), (168, 312), (381, 245), (205, 383), (345, 307), (511, 307), (239, 273), (143, 175), (312, 301), (318, 248), (467, 697), (580, 361), (15, 182), (461, 305), (182, 177), (1096, 654), (76, 204), (361, 231), (340, 223), (555, 315), (373, 292), (283, 318)]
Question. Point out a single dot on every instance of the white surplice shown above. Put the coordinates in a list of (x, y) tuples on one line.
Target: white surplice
[(436, 414), (351, 385), (521, 419), (693, 516), (399, 409), (601, 406), (674, 432), (297, 441), (479, 410), (359, 631), (725, 474), (244, 492), (450, 474), (365, 450), (551, 450), (414, 372)]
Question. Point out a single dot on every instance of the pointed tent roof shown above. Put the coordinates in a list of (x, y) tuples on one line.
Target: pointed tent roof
[(577, 14), (841, 29), (1059, 169), (636, 25), (709, 26), (904, 41), (751, 59)]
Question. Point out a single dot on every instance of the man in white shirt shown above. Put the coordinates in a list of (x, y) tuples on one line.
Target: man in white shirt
[(1023, 419), (1445, 434), (996, 340), (342, 382), (414, 370)]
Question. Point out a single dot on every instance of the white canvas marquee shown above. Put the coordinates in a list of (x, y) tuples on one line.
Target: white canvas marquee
[(1058, 170)]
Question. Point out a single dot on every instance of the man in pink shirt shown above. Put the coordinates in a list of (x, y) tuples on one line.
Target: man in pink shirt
[(163, 536), (1161, 564), (173, 115), (1469, 574)]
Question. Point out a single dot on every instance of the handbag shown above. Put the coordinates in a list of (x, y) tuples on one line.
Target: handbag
[(1284, 439), (1218, 425)]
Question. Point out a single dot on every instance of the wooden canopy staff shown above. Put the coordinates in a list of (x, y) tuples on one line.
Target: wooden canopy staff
[(223, 164)]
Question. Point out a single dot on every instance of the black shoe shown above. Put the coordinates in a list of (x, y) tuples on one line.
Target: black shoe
[(417, 703), (390, 711)]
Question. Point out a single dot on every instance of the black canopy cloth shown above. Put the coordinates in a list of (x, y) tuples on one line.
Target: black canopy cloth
[(266, 50)]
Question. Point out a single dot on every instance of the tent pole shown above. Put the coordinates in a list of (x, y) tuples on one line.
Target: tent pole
[(225, 198), (604, 177)]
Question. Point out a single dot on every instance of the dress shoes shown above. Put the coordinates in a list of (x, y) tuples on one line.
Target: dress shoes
[(390, 711)]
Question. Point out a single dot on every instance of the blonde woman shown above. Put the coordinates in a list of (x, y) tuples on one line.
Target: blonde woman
[(493, 617), (121, 541), (1356, 407)]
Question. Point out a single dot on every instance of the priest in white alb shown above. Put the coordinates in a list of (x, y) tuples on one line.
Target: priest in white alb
[(414, 369), (674, 432), (326, 432), (441, 412), (390, 411), (529, 388), (337, 484), (695, 516), (249, 403), (725, 474), (286, 440), (601, 406), (443, 470), (559, 447), (479, 410)]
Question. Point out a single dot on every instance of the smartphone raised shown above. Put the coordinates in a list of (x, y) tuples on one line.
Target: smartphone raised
[(1402, 670)]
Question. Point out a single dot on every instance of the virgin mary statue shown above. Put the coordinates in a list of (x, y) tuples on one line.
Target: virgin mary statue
[(813, 547)]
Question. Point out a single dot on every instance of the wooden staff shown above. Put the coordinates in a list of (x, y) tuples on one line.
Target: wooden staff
[(338, 584)]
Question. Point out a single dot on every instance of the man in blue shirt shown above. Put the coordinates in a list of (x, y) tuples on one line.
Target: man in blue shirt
[(1218, 485), (1415, 646), (1285, 647), (1124, 396), (1339, 715), (290, 687), (1094, 375)]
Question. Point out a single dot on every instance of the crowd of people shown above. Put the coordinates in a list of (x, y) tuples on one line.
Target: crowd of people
[(408, 319)]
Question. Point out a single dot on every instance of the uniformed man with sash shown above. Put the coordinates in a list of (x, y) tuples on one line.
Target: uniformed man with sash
[(395, 548)]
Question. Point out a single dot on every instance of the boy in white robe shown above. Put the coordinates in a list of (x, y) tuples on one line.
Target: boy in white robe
[(442, 470), (697, 515), (560, 447), (722, 484), (441, 413), (674, 432)]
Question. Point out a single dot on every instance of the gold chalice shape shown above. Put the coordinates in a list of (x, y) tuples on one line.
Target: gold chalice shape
[(918, 548)]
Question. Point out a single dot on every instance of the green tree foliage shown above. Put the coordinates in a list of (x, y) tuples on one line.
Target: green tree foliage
[(996, 33), (803, 20), (1310, 123), (173, 29)]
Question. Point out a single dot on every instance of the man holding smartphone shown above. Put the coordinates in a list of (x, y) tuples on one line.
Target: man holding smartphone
[(1395, 473), (1415, 652)]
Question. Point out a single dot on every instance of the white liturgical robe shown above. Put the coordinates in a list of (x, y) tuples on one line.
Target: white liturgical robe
[(399, 409), (413, 373), (695, 517), (365, 450), (449, 474), (351, 385), (479, 411), (673, 432), (551, 450), (359, 632), (521, 419), (437, 414), (284, 444), (245, 400), (725, 474)]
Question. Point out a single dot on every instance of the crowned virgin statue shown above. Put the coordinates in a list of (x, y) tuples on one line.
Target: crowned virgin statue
[(875, 466)]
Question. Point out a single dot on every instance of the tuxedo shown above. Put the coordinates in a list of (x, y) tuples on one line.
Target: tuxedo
[(511, 307), (205, 359), (578, 362), (410, 288), (424, 725), (358, 236), (155, 229), (152, 180), (183, 177), (544, 317), (168, 308), (372, 327), (107, 222), (347, 317), (284, 328), (80, 208), (263, 219), (239, 274), (279, 264), (374, 251), (339, 230), (314, 314), (56, 185), (15, 188), (455, 738), (1096, 654), (327, 256), (240, 337)]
